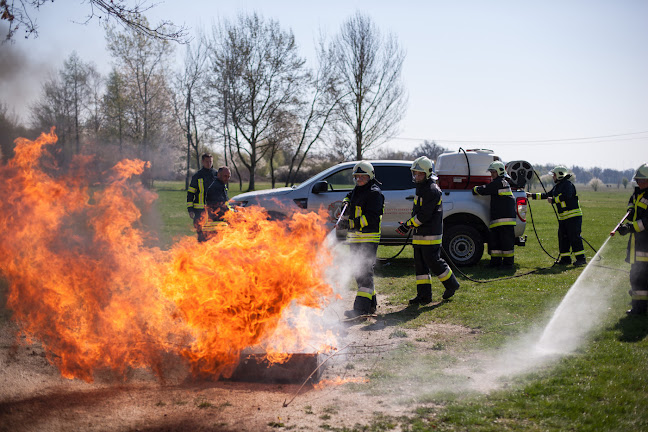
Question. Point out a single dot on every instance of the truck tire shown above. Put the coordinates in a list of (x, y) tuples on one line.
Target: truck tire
[(463, 244)]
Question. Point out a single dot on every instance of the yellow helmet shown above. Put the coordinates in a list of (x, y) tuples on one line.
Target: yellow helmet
[(642, 172), (364, 167), (425, 165), (560, 171), (498, 167)]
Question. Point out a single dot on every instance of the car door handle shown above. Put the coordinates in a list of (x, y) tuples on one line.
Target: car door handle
[(410, 198)]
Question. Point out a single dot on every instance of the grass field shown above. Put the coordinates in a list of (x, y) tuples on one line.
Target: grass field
[(603, 386)]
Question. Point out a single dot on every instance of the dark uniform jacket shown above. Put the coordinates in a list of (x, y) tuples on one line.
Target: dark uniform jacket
[(207, 191), (365, 212), (565, 198), (638, 242), (427, 214), (502, 209)]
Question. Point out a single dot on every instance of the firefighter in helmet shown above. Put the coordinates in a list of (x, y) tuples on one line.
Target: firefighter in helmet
[(570, 216), (362, 218), (427, 222), (207, 198), (501, 238), (637, 254)]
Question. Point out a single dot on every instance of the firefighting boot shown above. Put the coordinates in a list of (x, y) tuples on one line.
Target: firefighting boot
[(580, 261), (495, 262), (507, 263), (423, 295), (639, 307), (451, 285)]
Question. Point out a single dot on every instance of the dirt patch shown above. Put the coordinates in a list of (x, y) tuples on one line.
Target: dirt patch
[(34, 397)]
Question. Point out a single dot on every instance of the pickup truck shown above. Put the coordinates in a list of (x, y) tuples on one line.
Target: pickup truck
[(466, 216)]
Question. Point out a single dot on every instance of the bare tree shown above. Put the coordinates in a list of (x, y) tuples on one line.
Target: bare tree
[(143, 64), (19, 14), (189, 86), (369, 68), (256, 73), (114, 109), (429, 149)]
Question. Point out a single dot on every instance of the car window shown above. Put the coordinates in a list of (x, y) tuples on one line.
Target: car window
[(341, 180), (394, 177)]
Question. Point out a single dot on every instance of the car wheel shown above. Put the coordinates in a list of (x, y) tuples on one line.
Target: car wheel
[(464, 244)]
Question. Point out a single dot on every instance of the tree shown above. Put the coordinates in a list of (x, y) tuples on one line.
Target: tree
[(256, 74), (18, 14), (10, 129), (595, 184), (368, 67), (65, 101), (114, 108), (189, 87), (625, 182), (143, 64), (429, 149)]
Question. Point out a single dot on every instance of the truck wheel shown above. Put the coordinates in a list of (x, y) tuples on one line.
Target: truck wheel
[(464, 244)]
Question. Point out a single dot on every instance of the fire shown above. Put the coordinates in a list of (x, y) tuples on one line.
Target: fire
[(85, 282), (339, 381)]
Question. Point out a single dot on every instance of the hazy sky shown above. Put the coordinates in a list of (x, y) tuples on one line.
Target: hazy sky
[(551, 81)]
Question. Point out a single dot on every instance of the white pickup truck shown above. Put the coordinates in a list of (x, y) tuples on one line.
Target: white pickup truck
[(465, 216)]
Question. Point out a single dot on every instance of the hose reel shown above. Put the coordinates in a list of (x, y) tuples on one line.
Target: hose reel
[(520, 172)]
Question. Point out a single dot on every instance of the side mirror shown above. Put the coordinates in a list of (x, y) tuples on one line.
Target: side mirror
[(319, 187)]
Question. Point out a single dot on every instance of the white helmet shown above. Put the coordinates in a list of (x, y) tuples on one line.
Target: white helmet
[(560, 171), (642, 172), (364, 167), (425, 165), (498, 167)]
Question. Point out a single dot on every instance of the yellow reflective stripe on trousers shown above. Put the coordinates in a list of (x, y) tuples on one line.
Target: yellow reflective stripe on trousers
[(639, 295), (423, 279), (358, 237), (570, 214), (426, 240), (508, 253), (445, 275), (213, 225), (502, 222), (366, 292), (642, 256)]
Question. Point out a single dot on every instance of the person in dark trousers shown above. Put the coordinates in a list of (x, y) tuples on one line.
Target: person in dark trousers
[(427, 222), (570, 216), (207, 198), (637, 252), (363, 217), (501, 238)]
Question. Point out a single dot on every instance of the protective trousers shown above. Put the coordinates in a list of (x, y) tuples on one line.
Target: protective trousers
[(365, 256), (569, 237), (639, 286), (501, 244), (426, 259)]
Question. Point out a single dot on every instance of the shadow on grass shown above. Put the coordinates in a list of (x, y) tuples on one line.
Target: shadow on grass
[(633, 328), (402, 316)]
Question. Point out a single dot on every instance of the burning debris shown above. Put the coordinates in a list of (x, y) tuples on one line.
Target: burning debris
[(83, 281)]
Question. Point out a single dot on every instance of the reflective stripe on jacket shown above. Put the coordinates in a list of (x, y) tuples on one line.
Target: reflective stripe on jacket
[(638, 242), (502, 209), (427, 214), (565, 198), (365, 212)]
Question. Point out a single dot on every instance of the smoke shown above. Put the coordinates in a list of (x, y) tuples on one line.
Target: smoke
[(20, 77)]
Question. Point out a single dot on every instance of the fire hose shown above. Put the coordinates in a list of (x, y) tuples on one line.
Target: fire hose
[(619, 224)]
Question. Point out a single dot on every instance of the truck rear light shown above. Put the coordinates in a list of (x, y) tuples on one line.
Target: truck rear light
[(301, 202), (521, 206)]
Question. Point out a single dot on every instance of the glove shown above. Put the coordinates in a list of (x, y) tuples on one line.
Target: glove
[(624, 229), (192, 214), (403, 229), (550, 200), (529, 195), (343, 224)]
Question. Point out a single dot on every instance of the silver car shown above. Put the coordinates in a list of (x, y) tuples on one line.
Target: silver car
[(465, 217)]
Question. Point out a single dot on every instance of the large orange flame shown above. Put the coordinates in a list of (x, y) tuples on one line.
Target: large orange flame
[(84, 282)]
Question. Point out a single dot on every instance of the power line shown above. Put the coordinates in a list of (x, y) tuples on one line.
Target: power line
[(601, 138)]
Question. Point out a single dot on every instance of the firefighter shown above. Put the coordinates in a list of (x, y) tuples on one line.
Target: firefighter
[(501, 236), (570, 216), (637, 254), (362, 218), (427, 222), (207, 198)]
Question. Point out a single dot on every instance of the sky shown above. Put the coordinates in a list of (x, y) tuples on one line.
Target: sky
[(551, 82)]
